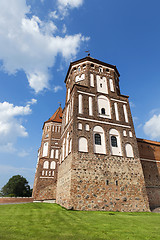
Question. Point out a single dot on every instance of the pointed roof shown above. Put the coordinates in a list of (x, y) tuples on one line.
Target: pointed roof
[(56, 117)]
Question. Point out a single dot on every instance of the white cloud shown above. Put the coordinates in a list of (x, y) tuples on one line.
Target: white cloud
[(64, 30), (57, 88), (54, 15), (33, 101), (11, 125), (152, 127), (30, 44), (132, 104), (65, 5), (70, 3)]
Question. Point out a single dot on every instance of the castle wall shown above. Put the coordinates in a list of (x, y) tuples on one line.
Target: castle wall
[(105, 183), (64, 183), (150, 160)]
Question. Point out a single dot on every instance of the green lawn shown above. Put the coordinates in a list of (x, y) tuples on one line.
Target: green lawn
[(44, 221)]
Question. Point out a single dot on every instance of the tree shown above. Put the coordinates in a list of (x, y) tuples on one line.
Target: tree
[(17, 186)]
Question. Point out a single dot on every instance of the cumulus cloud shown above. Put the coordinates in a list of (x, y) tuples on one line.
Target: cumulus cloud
[(65, 5), (152, 127), (57, 88), (31, 45), (11, 124), (70, 3)]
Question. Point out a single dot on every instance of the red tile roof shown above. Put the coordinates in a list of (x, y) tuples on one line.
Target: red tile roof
[(56, 117)]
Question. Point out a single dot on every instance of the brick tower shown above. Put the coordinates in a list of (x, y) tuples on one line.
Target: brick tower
[(99, 165), (48, 159)]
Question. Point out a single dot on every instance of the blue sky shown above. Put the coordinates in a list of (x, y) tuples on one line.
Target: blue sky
[(39, 38)]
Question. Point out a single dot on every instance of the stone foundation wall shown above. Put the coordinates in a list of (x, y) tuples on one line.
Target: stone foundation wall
[(103, 183), (45, 189), (64, 183)]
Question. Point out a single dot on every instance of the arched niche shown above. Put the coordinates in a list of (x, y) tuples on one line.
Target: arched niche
[(129, 150), (82, 144)]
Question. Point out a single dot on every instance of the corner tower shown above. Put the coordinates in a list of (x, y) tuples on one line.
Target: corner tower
[(99, 167), (48, 159)]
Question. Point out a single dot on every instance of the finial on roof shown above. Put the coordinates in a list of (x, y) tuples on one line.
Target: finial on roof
[(59, 104), (88, 53)]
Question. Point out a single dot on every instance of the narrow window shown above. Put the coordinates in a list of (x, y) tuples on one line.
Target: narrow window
[(107, 182), (103, 111), (97, 137), (114, 141), (101, 85), (116, 183), (100, 69)]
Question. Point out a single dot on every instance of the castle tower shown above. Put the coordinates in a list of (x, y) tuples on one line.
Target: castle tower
[(48, 159), (99, 166)]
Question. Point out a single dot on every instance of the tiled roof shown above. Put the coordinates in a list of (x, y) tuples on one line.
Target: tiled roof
[(56, 117)]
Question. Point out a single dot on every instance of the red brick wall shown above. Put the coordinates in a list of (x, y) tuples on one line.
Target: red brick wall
[(15, 200)]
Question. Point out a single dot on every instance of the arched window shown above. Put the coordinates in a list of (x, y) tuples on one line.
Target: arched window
[(129, 150), (97, 138), (83, 144), (104, 107), (103, 111), (53, 165), (46, 165), (114, 141)]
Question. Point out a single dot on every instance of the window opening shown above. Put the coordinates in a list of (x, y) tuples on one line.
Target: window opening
[(107, 182), (114, 141), (103, 111), (101, 85), (97, 139)]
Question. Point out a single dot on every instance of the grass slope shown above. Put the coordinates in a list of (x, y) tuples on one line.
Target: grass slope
[(43, 221)]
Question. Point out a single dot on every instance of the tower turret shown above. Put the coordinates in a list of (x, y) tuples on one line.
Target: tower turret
[(48, 158)]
